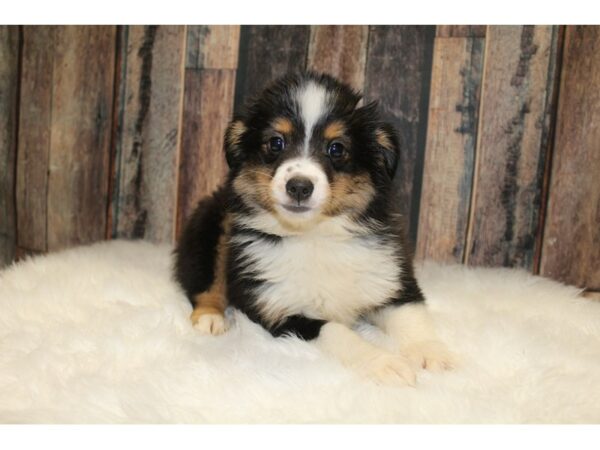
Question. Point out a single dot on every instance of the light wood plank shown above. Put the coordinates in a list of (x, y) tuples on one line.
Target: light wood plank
[(81, 110), (212, 46), (339, 50), (148, 140), (571, 245), (9, 88), (514, 128), (451, 140)]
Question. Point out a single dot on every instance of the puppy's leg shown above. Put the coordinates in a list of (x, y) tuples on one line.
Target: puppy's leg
[(209, 307), (350, 349), (412, 329), (208, 314)]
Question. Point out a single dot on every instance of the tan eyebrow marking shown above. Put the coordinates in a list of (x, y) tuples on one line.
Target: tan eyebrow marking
[(383, 139), (283, 125), (334, 130)]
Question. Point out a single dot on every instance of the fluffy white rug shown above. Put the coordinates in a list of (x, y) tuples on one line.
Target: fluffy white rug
[(101, 334)]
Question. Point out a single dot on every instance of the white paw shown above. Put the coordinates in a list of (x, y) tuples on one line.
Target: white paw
[(210, 324), (389, 369), (431, 355)]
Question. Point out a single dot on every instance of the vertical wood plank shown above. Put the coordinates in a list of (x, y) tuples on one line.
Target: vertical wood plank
[(451, 140), (35, 113), (339, 50), (267, 52), (571, 244), (9, 88), (148, 135), (460, 31), (82, 94), (398, 76), (207, 108), (515, 118)]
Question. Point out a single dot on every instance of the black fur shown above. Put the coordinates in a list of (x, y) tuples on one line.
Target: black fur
[(195, 253)]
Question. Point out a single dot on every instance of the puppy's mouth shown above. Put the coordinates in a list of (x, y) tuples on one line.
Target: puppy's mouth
[(297, 208)]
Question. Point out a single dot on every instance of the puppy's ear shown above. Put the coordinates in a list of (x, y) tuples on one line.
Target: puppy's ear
[(389, 147), (233, 143)]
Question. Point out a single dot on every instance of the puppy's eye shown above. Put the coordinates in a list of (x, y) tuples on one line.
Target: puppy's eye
[(336, 151), (276, 144)]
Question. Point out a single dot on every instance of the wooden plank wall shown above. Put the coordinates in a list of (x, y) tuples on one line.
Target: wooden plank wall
[(9, 81), (117, 132)]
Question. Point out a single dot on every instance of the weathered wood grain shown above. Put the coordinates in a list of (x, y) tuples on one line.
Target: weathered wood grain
[(515, 118), (398, 76), (460, 31), (212, 46), (267, 52), (208, 106), (9, 88), (35, 114), (451, 140), (81, 106), (148, 136), (571, 245), (340, 50)]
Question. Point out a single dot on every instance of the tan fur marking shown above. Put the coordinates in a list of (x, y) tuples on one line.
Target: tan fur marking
[(349, 193), (214, 301), (283, 125), (334, 130), (234, 132), (384, 140), (254, 185)]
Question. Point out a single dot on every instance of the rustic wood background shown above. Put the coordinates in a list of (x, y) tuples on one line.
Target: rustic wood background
[(116, 131)]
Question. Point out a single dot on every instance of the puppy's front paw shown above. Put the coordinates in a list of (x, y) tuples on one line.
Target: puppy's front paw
[(389, 369), (209, 323), (431, 355)]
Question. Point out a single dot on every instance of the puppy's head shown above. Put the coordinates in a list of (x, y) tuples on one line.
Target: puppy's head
[(304, 152)]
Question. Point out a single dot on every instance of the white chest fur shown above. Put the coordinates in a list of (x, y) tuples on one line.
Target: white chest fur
[(325, 277)]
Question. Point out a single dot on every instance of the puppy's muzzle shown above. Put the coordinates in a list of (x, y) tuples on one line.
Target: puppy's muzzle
[(299, 189)]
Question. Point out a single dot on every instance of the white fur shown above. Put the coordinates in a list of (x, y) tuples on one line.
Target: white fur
[(101, 334), (321, 275), (312, 100), (300, 167)]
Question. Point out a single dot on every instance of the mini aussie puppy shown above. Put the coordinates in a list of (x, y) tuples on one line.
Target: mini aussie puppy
[(303, 236)]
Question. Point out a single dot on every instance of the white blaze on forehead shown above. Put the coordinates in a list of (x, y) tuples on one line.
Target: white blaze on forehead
[(312, 101)]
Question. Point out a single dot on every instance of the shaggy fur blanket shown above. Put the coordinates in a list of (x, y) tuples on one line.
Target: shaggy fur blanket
[(101, 334)]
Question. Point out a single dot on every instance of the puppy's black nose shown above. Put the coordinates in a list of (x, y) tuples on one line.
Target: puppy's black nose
[(299, 188)]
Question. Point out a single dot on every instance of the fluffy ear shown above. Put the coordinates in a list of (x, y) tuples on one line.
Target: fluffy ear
[(233, 143), (387, 141)]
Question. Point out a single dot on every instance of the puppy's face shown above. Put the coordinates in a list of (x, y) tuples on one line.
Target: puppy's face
[(304, 152)]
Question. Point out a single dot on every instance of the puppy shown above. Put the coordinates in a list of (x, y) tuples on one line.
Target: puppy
[(303, 236)]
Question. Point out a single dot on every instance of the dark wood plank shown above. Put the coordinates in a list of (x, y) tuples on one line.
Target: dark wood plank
[(148, 136), (515, 121), (340, 50), (9, 89), (82, 95), (35, 113), (208, 106), (267, 52), (398, 76), (571, 244), (460, 31), (451, 141)]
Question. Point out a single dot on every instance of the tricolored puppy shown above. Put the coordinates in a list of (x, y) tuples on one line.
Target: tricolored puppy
[(304, 236)]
